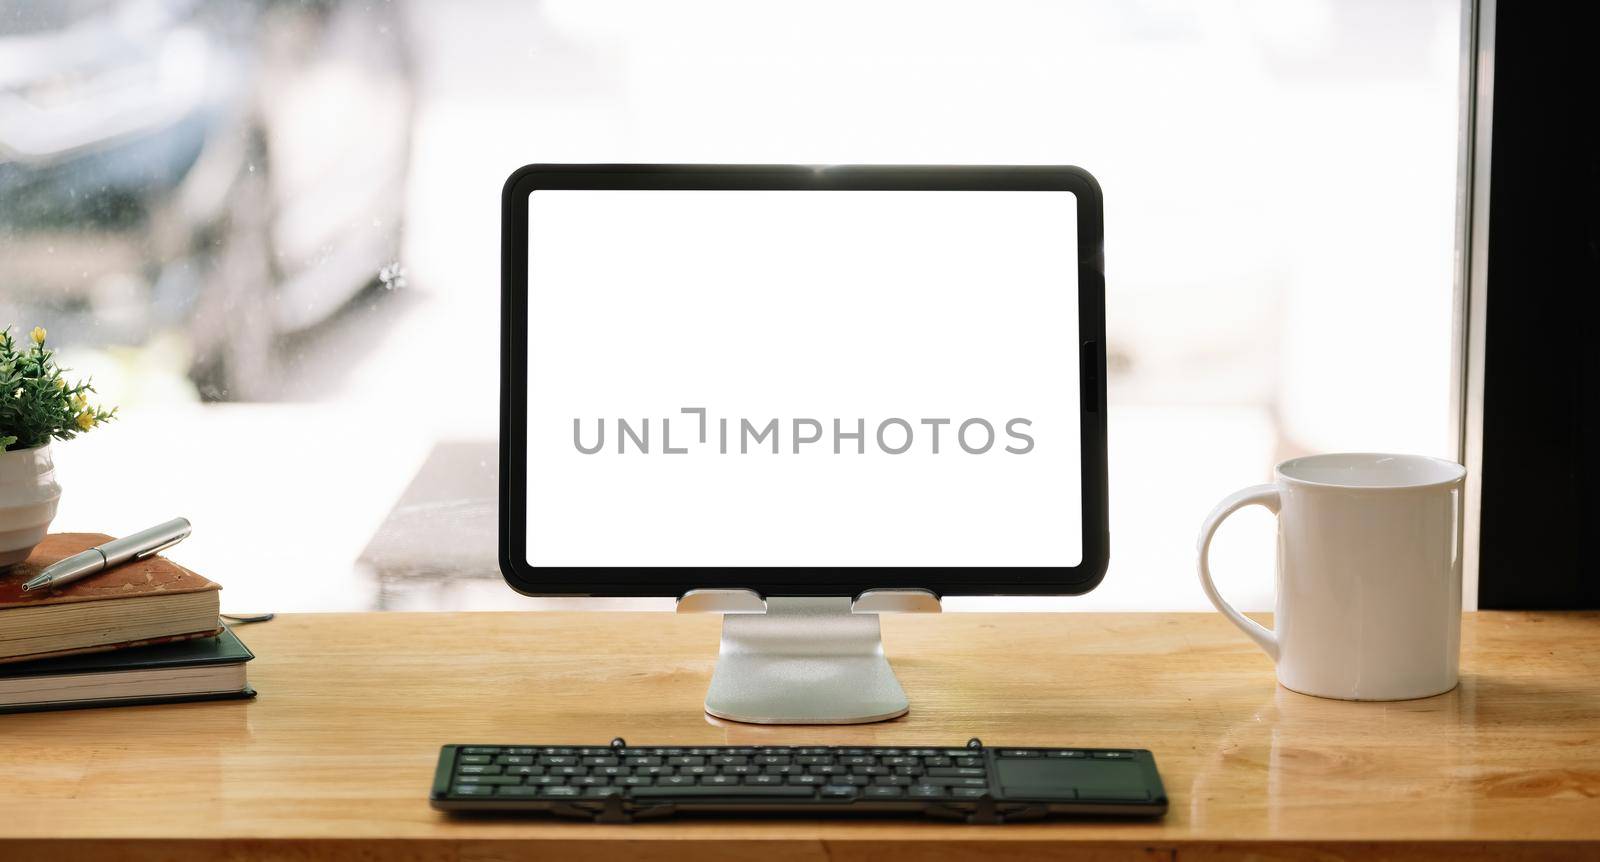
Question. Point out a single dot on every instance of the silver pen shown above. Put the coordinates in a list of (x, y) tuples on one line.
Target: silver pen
[(113, 553)]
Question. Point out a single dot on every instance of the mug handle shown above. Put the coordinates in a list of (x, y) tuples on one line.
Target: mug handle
[(1256, 495)]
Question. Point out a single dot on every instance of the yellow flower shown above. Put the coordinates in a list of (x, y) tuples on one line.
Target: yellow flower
[(38, 335), (61, 382), (86, 420), (80, 403)]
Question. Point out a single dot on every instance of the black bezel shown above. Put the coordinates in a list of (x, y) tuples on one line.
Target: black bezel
[(798, 580)]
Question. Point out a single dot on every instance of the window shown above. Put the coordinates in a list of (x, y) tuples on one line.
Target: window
[(270, 232)]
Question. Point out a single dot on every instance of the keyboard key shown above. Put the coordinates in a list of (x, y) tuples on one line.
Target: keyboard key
[(827, 770), (719, 780), (884, 792), (705, 752), (744, 791), (684, 760), (728, 760), (523, 792), (901, 761), (697, 770), (611, 771), (560, 792), (474, 758), (838, 791), (1068, 753), (588, 781), (805, 779), (969, 761), (859, 760), (558, 760), (1018, 752), (520, 751), (602, 791), (870, 770), (951, 781), (966, 771), (813, 751), (741, 770), (481, 749), (567, 770), (936, 761), (892, 780), (478, 769), (599, 761), (922, 752), (676, 781), (488, 779), (472, 790), (558, 751), (513, 759), (760, 780), (635, 781), (655, 770), (643, 761), (596, 752), (546, 780), (773, 759), (969, 792), (525, 770), (814, 759), (1114, 755), (928, 791), (790, 769)]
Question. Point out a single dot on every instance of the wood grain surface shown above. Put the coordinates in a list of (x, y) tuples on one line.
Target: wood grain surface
[(334, 759)]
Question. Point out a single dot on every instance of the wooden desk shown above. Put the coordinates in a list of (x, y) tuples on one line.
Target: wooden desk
[(333, 761)]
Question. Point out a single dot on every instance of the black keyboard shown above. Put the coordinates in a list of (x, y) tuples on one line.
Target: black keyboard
[(621, 782)]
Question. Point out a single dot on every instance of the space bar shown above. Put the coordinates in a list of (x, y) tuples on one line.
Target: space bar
[(696, 790)]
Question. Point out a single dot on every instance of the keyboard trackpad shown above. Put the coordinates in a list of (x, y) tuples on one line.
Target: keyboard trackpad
[(1048, 778)]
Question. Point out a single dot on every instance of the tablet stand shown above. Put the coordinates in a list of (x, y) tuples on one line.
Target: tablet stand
[(805, 660)]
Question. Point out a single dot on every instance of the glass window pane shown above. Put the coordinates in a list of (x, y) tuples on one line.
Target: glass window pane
[(271, 233)]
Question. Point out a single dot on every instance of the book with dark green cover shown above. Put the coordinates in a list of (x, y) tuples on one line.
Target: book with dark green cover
[(210, 668)]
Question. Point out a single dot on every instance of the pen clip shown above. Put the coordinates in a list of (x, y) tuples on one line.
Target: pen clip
[(159, 548)]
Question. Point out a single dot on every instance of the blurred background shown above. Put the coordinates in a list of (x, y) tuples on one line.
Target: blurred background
[(269, 230)]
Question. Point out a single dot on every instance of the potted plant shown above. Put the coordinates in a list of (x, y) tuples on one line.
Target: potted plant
[(37, 405)]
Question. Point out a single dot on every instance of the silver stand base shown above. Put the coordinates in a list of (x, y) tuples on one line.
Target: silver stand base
[(804, 661)]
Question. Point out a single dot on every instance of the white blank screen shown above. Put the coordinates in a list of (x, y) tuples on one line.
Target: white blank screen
[(884, 310)]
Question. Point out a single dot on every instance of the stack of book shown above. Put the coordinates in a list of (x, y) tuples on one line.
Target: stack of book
[(143, 632)]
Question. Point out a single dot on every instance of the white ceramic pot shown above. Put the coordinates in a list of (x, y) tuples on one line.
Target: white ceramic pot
[(28, 497)]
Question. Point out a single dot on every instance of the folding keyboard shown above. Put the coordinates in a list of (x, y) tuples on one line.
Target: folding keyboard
[(975, 783)]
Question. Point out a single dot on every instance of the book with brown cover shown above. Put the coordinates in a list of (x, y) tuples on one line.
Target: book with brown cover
[(138, 603)]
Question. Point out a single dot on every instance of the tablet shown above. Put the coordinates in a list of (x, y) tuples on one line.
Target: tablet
[(802, 380)]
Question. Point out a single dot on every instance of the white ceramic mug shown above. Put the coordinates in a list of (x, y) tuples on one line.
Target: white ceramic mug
[(1369, 574)]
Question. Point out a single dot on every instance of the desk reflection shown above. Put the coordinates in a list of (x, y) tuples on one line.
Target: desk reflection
[(196, 738), (1304, 757)]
